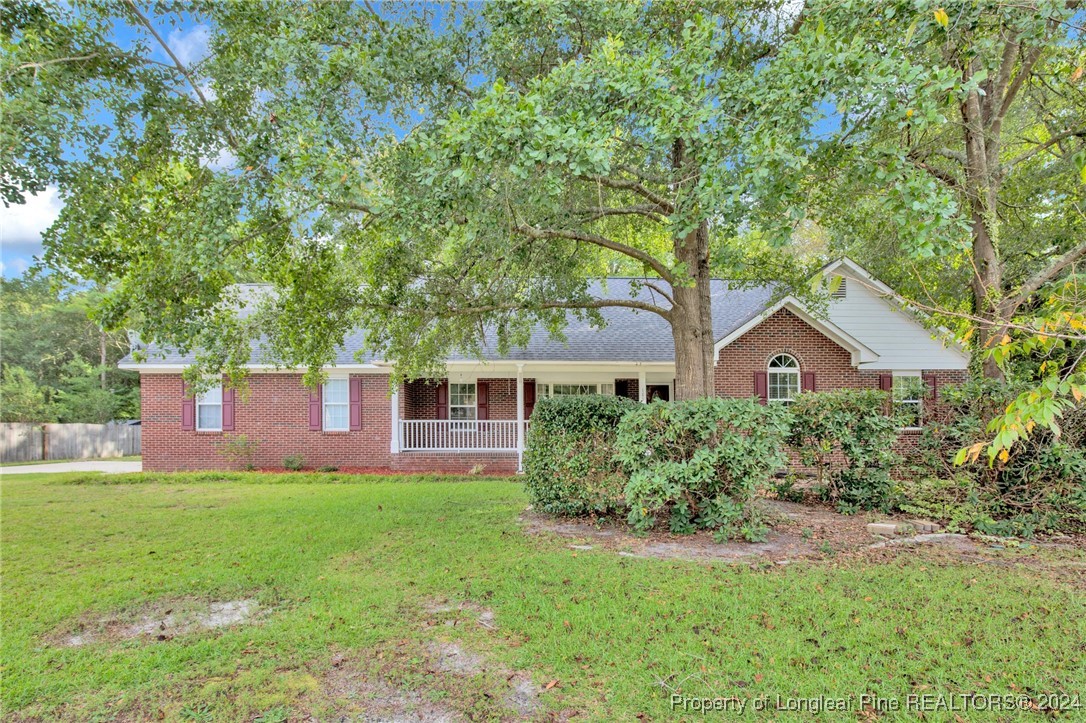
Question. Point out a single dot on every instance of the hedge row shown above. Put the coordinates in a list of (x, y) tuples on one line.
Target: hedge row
[(699, 464)]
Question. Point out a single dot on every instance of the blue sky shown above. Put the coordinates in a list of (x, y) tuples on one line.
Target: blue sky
[(21, 227)]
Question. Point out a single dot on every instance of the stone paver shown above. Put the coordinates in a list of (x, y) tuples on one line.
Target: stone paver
[(89, 465)]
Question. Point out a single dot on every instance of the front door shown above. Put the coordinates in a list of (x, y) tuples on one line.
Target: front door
[(658, 391)]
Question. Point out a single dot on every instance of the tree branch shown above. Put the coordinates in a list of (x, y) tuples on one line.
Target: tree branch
[(1043, 277), (649, 211), (1080, 132), (1031, 59), (620, 184), (597, 240)]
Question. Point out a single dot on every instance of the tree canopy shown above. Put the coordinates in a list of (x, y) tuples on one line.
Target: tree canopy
[(429, 171)]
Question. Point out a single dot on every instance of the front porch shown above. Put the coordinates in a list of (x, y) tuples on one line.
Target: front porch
[(486, 409)]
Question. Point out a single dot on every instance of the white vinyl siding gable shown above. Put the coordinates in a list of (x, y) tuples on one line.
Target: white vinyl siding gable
[(900, 340)]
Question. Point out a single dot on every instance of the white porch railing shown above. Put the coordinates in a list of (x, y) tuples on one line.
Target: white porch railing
[(432, 435)]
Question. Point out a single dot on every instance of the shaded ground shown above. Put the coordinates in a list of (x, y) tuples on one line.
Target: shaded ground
[(799, 531)]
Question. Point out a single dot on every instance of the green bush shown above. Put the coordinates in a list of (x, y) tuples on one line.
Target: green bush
[(568, 459), (1040, 487), (699, 464), (293, 462), (848, 438)]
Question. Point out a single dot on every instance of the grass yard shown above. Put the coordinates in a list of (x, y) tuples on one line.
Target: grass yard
[(357, 581)]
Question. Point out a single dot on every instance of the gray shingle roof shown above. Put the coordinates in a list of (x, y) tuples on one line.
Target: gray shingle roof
[(630, 335)]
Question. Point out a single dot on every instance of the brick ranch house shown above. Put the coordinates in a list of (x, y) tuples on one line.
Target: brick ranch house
[(478, 415)]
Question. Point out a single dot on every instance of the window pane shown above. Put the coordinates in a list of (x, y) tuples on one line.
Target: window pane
[(462, 394), (336, 391), (908, 405), (211, 396), (608, 389), (209, 416), (462, 413), (336, 417), (571, 390), (783, 385)]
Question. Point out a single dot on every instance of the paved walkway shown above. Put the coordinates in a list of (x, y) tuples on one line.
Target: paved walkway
[(90, 465)]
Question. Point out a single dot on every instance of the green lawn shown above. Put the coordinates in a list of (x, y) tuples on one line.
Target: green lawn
[(345, 567)]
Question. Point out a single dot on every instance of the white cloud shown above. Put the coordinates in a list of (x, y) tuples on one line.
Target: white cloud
[(191, 45), (22, 225)]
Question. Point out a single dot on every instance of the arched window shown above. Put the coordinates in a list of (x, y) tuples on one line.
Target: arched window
[(783, 379)]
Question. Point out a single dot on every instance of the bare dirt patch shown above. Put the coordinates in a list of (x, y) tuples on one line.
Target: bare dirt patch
[(454, 613), (158, 621), (367, 699), (798, 531)]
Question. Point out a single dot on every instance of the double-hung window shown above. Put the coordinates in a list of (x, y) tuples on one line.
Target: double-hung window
[(209, 410), (783, 379), (336, 400), (909, 390), (462, 399)]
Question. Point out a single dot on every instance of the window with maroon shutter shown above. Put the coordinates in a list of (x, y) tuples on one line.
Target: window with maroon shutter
[(188, 409), (442, 411), (809, 384), (761, 386), (227, 410), (315, 409), (356, 404), (529, 398)]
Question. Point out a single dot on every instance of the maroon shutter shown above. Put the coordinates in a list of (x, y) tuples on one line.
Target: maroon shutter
[(809, 384), (315, 409), (761, 386), (356, 404), (482, 391), (443, 400), (933, 386), (886, 382), (188, 409), (227, 410), (529, 399)]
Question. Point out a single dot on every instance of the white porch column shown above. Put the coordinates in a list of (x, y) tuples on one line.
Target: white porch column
[(395, 399), (520, 418), (642, 390)]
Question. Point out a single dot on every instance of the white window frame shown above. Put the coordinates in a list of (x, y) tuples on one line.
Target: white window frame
[(918, 401), (345, 405), (464, 423), (546, 389), (202, 401), (782, 371)]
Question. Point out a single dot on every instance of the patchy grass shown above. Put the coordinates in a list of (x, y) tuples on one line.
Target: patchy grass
[(346, 570)]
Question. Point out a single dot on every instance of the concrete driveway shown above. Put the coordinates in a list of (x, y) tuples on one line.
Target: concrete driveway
[(89, 465)]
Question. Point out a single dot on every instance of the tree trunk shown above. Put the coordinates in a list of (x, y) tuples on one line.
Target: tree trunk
[(982, 192), (102, 357), (692, 318)]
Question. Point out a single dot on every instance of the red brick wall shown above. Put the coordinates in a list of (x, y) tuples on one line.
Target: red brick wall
[(420, 398), (786, 333), (275, 415), (488, 463)]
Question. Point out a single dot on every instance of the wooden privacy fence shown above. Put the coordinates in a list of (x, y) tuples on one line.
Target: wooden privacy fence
[(20, 442)]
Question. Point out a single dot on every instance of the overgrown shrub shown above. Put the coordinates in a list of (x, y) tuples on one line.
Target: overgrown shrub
[(239, 449), (1040, 487), (699, 464), (568, 459), (848, 438)]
